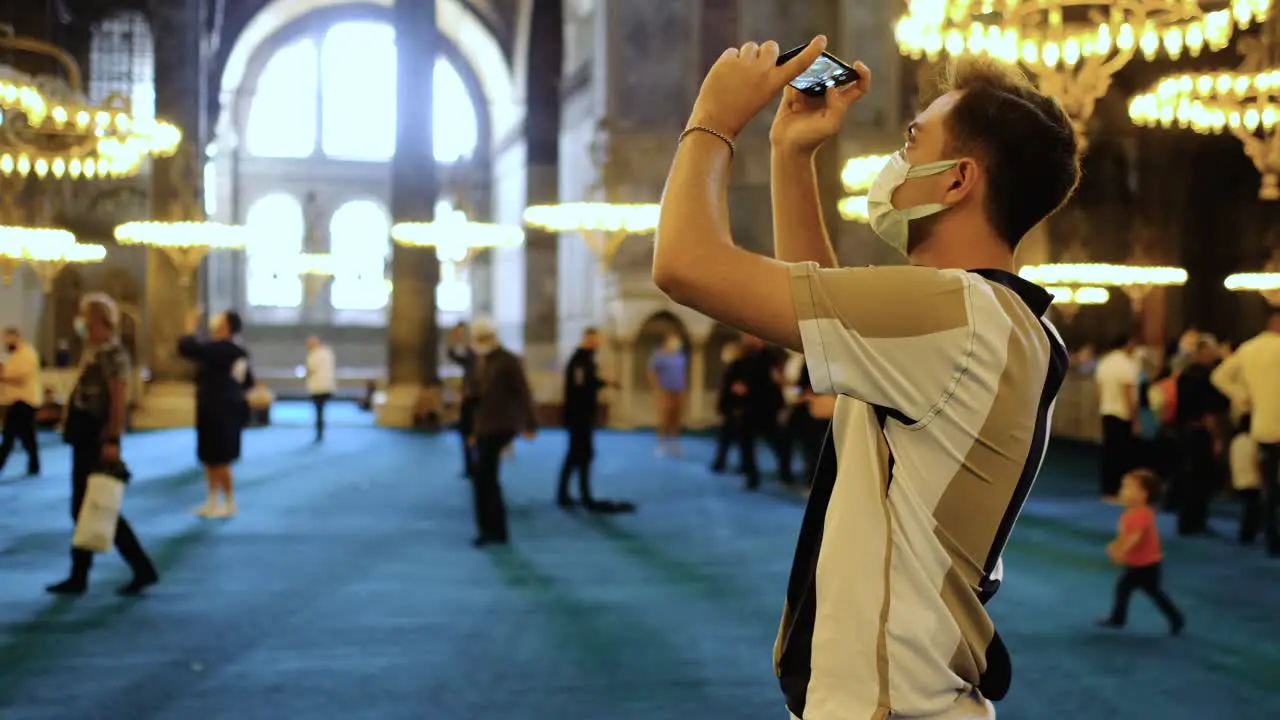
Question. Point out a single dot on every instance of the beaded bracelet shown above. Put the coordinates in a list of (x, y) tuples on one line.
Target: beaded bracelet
[(699, 128)]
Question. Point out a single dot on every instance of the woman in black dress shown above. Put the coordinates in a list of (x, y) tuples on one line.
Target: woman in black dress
[(222, 377)]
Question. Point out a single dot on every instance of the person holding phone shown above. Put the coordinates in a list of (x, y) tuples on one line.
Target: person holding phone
[(945, 370)]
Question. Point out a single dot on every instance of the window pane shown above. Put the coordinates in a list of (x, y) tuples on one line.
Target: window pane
[(359, 240), (455, 133), (358, 91), (122, 62), (282, 121), (277, 226), (358, 98)]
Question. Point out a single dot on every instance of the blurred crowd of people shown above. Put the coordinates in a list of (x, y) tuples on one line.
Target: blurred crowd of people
[(1201, 414)]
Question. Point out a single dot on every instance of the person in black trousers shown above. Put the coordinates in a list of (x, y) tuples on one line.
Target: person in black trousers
[(1200, 407), (761, 373), (504, 409), (465, 357), (20, 390), (729, 405), (582, 386), (95, 422)]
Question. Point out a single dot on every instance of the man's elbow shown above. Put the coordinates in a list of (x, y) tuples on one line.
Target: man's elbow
[(673, 282)]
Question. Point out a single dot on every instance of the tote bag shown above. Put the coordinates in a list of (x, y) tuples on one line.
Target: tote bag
[(99, 514)]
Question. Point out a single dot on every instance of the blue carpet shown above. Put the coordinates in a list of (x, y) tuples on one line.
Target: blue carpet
[(347, 589)]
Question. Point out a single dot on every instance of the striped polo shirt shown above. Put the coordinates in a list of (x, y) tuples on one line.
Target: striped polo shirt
[(946, 381)]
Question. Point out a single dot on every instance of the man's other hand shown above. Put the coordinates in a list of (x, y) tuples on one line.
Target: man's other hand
[(744, 80), (803, 123)]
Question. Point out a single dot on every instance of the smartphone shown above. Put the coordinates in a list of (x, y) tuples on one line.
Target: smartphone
[(827, 71)]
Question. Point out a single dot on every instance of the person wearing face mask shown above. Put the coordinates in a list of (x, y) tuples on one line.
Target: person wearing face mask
[(20, 393), (503, 409), (946, 368), (94, 424), (223, 376)]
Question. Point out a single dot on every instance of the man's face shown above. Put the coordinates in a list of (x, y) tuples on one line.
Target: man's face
[(926, 143), (10, 340), (591, 340), (313, 342)]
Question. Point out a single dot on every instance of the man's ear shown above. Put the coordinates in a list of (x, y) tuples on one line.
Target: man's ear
[(964, 180)]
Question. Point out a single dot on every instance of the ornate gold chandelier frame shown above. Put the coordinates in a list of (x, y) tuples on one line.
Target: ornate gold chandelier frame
[(49, 127)]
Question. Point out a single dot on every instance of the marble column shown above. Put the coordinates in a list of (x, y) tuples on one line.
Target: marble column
[(413, 350), (176, 182), (542, 147), (697, 385)]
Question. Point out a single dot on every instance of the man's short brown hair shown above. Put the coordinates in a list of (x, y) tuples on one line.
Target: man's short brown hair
[(1023, 138)]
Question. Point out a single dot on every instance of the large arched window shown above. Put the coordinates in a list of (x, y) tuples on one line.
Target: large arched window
[(358, 91), (122, 62), (359, 241), (352, 67), (278, 227), (282, 117)]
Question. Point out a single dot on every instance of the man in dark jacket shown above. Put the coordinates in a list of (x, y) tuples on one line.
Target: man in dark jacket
[(582, 385), (1200, 408), (729, 405), (762, 374), (503, 409)]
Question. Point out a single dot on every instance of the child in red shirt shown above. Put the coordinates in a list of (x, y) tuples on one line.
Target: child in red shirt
[(1137, 549)]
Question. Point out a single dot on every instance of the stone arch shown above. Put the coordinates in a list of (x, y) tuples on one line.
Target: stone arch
[(458, 26), (62, 304)]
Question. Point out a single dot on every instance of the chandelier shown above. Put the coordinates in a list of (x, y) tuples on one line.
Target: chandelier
[(48, 127), (1071, 48), (857, 175), (604, 226), (457, 241), (1245, 103)]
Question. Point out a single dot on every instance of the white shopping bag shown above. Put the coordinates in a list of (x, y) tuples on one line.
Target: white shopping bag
[(99, 514)]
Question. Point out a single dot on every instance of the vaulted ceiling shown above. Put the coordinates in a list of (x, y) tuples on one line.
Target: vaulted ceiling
[(59, 20)]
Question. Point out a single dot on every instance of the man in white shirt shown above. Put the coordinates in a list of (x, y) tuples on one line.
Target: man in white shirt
[(1116, 378), (1251, 376), (20, 393), (946, 369), (322, 379)]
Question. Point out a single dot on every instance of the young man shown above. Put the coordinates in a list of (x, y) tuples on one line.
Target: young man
[(322, 379), (946, 370), (20, 394)]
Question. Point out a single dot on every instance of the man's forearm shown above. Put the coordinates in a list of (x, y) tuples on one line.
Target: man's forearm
[(694, 221), (799, 232)]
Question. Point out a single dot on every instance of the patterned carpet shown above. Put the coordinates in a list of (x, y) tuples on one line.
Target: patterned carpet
[(347, 589)]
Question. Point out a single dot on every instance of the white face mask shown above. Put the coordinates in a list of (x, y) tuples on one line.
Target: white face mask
[(889, 222)]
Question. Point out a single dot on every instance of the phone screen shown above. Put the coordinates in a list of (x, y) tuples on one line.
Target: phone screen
[(825, 72)]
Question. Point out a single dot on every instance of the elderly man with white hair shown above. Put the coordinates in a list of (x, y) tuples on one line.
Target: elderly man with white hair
[(503, 409), (94, 425)]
